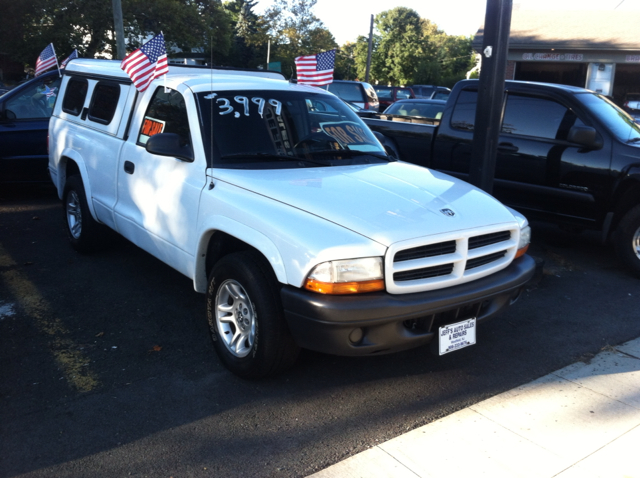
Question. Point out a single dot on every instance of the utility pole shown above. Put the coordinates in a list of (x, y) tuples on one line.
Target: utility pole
[(121, 51), (366, 76), (486, 132)]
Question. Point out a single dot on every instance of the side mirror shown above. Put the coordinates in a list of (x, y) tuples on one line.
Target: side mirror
[(168, 144), (585, 136)]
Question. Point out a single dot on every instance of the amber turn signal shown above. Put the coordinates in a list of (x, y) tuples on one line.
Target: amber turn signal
[(342, 288), (522, 252)]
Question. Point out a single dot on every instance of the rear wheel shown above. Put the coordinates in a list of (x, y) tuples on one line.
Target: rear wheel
[(84, 232), (627, 240), (246, 320)]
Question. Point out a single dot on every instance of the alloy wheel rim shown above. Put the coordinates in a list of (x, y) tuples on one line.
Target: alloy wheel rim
[(74, 214), (235, 318), (636, 243)]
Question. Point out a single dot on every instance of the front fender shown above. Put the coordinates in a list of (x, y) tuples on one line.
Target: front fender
[(241, 232)]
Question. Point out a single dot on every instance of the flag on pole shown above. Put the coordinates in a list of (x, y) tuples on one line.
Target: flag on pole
[(147, 63), (74, 54), (316, 70), (46, 60)]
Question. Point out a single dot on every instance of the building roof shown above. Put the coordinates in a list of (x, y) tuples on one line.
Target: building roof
[(572, 29)]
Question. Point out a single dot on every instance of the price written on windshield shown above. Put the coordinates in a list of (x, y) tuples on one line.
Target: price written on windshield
[(243, 104)]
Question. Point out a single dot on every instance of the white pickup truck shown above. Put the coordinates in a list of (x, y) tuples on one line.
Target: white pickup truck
[(285, 210)]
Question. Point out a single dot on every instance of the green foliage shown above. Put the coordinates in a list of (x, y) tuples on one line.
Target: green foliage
[(409, 50), (406, 49)]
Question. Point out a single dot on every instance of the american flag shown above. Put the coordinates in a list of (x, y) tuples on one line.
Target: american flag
[(147, 63), (49, 92), (74, 54), (46, 59), (316, 70)]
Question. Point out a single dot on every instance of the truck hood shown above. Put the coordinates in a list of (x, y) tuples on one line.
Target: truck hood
[(385, 202)]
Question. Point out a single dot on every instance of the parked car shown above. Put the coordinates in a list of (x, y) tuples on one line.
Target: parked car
[(431, 92), (357, 92), (632, 105), (417, 107), (24, 121), (387, 95)]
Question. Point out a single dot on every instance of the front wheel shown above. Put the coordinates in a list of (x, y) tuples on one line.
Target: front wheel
[(627, 240), (246, 320)]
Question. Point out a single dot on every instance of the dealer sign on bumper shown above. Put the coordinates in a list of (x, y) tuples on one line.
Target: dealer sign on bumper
[(457, 336)]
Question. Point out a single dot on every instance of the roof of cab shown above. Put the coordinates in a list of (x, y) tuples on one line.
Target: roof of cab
[(190, 76)]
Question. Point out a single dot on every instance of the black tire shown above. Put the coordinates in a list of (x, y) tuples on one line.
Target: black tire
[(627, 240), (246, 319), (84, 232)]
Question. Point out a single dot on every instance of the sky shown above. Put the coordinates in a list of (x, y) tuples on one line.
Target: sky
[(348, 19)]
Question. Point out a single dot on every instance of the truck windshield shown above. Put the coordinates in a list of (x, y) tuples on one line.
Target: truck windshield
[(267, 128), (616, 120)]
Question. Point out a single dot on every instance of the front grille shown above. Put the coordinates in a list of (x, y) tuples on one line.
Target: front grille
[(449, 259), (431, 323), (431, 250)]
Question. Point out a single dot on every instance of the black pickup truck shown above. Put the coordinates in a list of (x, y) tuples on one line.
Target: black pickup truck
[(565, 154)]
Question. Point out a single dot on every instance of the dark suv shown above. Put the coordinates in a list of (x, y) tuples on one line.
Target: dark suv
[(358, 93), (431, 92)]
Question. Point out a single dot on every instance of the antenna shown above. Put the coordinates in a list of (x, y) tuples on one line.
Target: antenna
[(211, 102)]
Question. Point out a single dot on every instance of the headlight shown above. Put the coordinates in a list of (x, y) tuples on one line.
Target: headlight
[(525, 239), (352, 276)]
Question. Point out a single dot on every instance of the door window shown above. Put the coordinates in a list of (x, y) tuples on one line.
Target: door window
[(537, 117), (167, 113), (36, 100)]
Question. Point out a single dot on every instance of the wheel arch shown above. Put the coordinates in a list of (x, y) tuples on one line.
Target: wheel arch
[(231, 236), (627, 196), (72, 163)]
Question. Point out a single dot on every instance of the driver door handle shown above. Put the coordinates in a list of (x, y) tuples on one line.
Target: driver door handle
[(129, 167), (507, 148)]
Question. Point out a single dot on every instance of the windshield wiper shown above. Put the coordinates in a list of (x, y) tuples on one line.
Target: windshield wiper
[(351, 153), (271, 156), (280, 157), (633, 140)]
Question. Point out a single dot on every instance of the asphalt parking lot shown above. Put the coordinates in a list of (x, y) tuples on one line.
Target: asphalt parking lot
[(106, 367)]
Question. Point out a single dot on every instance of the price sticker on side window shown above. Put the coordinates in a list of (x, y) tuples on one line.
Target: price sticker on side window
[(150, 126)]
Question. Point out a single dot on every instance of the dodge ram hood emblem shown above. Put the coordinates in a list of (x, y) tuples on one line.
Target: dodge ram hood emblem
[(447, 212)]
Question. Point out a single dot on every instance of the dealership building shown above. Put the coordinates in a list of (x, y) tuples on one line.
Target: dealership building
[(598, 50)]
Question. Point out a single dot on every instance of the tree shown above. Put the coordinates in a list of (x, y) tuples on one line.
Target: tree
[(295, 31), (248, 48), (400, 47), (88, 26)]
